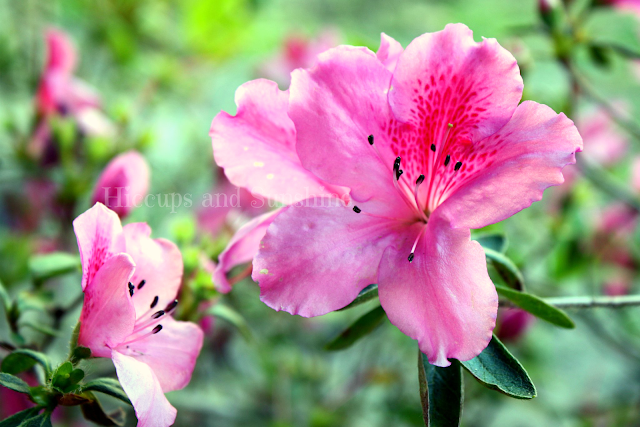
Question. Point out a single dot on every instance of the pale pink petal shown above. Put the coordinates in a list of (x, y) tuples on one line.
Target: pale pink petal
[(314, 260), (61, 53), (444, 298), (142, 386), (446, 77), (256, 147), (335, 107), (158, 263), (99, 235), (107, 316), (389, 51), (242, 248), (123, 183), (171, 353), (513, 167)]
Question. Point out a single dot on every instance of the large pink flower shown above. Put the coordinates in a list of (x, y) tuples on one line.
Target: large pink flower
[(130, 283), (123, 183), (429, 148), (60, 93)]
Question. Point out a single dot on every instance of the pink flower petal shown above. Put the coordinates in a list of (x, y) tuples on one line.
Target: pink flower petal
[(256, 147), (171, 353), (99, 235), (61, 53), (389, 51), (314, 260), (123, 183), (513, 167), (158, 263), (241, 249), (335, 107), (143, 388), (446, 77), (107, 314), (444, 298)]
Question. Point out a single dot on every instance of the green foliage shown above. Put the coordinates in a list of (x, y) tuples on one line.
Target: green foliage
[(14, 383), (441, 393), (18, 419), (365, 295), (537, 307), (505, 268), (108, 386), (93, 411), (25, 358), (360, 328), (66, 378), (48, 266), (497, 369), (228, 314), (495, 241)]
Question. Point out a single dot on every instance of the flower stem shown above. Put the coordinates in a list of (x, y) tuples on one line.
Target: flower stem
[(595, 301)]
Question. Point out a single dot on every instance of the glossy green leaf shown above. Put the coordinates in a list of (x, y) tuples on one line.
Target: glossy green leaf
[(80, 353), (441, 393), (42, 420), (38, 357), (15, 363), (94, 412), (14, 383), (497, 369), (505, 268), (361, 327), (47, 266), (17, 418), (537, 307), (494, 241), (109, 386), (365, 295), (228, 314)]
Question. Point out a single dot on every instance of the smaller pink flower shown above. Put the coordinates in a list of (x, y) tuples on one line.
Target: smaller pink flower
[(631, 6), (130, 282), (123, 183), (513, 323), (60, 93), (604, 143), (616, 288)]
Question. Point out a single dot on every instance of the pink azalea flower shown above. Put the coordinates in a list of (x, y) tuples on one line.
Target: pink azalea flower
[(130, 283), (513, 324), (429, 150), (604, 143), (60, 93), (123, 183), (631, 6)]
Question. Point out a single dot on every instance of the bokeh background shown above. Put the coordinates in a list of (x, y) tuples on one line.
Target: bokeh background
[(165, 68)]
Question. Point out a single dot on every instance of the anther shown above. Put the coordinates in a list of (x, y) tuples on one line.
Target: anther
[(158, 314), (171, 305), (399, 173), (157, 329), (396, 163), (411, 255), (433, 147), (447, 160), (457, 166), (141, 284), (131, 288), (420, 180), (370, 139), (450, 125), (357, 209), (155, 302)]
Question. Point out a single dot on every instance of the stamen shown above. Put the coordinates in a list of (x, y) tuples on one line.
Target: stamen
[(433, 147), (357, 209), (141, 284), (457, 166), (171, 305), (447, 160), (419, 181), (131, 288), (157, 329), (158, 314), (155, 302), (370, 139), (413, 249)]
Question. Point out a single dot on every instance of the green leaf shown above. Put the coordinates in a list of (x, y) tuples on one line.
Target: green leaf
[(94, 412), (228, 314), (40, 328), (537, 307), (47, 266), (361, 327), (42, 420), (4, 298), (17, 418), (109, 386), (494, 241), (15, 363), (365, 295), (14, 383), (80, 353), (441, 393), (505, 268), (498, 370), (40, 358)]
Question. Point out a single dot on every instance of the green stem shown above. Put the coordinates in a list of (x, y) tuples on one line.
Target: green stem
[(600, 301)]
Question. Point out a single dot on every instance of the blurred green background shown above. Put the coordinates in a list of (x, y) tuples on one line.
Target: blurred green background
[(165, 68)]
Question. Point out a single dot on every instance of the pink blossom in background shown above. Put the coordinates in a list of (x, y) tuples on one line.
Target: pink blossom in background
[(513, 323), (631, 6), (60, 93), (123, 184), (429, 150), (616, 288), (298, 51), (604, 142), (130, 282)]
